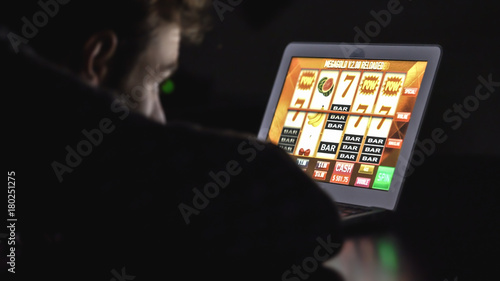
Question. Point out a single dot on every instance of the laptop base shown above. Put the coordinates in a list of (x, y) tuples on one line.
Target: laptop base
[(354, 214)]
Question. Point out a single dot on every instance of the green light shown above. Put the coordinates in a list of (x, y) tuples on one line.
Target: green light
[(167, 87), (388, 254)]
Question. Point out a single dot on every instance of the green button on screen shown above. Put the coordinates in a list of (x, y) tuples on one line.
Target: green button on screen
[(383, 178)]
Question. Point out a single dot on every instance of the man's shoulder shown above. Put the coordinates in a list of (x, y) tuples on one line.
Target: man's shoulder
[(189, 145)]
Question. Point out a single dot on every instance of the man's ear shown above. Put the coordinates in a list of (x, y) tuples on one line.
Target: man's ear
[(97, 54)]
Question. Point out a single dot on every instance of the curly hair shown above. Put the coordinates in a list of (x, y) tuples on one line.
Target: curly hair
[(195, 20), (69, 23)]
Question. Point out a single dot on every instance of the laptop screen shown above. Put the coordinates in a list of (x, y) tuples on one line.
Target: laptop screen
[(344, 120)]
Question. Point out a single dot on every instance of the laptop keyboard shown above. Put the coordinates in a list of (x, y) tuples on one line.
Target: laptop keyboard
[(349, 210)]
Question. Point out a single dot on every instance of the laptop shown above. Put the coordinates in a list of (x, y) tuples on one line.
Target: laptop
[(349, 116)]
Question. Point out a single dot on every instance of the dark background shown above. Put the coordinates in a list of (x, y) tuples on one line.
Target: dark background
[(447, 215), (448, 211), (225, 82)]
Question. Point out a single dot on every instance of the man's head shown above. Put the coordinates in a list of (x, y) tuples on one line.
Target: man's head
[(126, 46)]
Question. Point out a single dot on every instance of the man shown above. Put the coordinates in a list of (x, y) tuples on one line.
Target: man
[(106, 191)]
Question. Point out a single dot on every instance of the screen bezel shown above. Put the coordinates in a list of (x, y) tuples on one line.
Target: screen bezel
[(429, 53)]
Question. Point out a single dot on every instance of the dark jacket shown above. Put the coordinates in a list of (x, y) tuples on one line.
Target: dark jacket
[(104, 194)]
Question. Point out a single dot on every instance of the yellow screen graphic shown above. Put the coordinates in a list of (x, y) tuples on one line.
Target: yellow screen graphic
[(344, 121)]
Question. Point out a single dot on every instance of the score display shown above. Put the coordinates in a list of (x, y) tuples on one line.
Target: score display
[(344, 121)]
